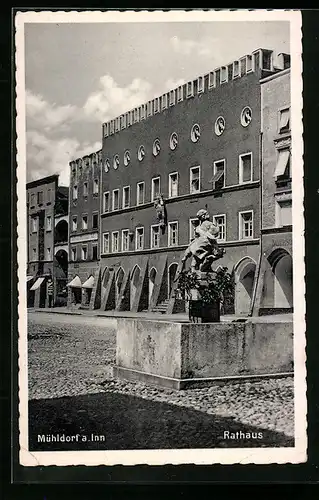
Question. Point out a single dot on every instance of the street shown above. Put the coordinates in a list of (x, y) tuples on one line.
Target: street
[(72, 391)]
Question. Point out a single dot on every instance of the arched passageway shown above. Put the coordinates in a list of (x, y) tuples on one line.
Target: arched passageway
[(281, 285), (61, 232), (244, 285), (118, 283), (151, 282), (172, 270), (135, 277)]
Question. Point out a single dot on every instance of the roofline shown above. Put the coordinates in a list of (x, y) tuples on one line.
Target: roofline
[(43, 180), (275, 75)]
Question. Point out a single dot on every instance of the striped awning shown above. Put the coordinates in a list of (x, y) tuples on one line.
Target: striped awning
[(37, 284), (89, 283), (76, 282)]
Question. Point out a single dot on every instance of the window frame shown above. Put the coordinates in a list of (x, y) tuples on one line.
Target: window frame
[(215, 170), (118, 193), (153, 226), (136, 237), (170, 233), (73, 254), (137, 193), (170, 184), (222, 70), (96, 183), (108, 242), (180, 93), (85, 189), (240, 168), (87, 222), (48, 218), (34, 224), (74, 217), (240, 226), (152, 185), (129, 196), (225, 227), (189, 93), (48, 254), (284, 130), (113, 240), (172, 98), (200, 84), (127, 231), (82, 252), (164, 101), (75, 192), (104, 204), (190, 225), (97, 215), (191, 179), (94, 245)]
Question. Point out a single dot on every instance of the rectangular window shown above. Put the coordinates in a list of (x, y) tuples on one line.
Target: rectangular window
[(218, 179), (266, 60), (84, 222), (32, 200), (245, 168), (200, 84), (284, 120), (75, 192), (155, 236), (283, 213), (85, 189), (235, 69), (112, 127), (117, 124), (123, 121), (156, 187), (125, 240), (116, 199), (249, 63), (129, 118), (105, 129), (283, 170), (139, 238), (172, 234), (49, 257), (49, 223), (136, 114), (94, 252), (220, 221), (164, 101), (34, 224), (212, 80), (49, 196), (142, 112), (106, 202), (34, 254), (95, 221), (40, 197), (194, 180), (106, 242), (74, 223), (126, 196), (173, 185), (96, 186), (246, 229), (180, 93), (189, 89), (156, 105), (115, 241), (140, 193), (149, 108), (223, 74), (172, 97), (73, 254), (84, 253), (193, 223)]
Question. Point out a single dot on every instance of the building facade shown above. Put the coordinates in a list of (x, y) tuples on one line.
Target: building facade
[(197, 146), (275, 281), (47, 229), (84, 220)]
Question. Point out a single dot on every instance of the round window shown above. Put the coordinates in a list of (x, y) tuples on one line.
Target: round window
[(116, 162), (195, 132), (246, 116), (220, 125), (173, 141), (141, 153), (156, 147), (127, 157)]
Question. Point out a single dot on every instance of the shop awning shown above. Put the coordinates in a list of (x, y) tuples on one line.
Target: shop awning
[(37, 284), (29, 278), (282, 163), (76, 282), (89, 283)]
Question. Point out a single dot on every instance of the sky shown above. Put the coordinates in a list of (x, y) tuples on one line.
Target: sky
[(78, 76)]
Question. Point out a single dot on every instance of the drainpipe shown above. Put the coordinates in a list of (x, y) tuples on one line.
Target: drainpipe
[(261, 224)]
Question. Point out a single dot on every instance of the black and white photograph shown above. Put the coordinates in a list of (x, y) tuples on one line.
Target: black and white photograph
[(160, 237)]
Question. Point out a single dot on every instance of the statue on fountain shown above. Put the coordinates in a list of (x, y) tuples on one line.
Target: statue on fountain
[(204, 249)]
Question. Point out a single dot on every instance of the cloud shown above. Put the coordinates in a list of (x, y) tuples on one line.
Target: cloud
[(111, 100), (187, 47), (173, 84), (47, 116)]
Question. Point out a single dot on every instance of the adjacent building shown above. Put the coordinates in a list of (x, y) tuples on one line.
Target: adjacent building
[(196, 146), (47, 245), (84, 220), (274, 291)]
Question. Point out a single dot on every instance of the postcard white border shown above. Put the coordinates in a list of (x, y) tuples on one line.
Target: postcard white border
[(298, 453)]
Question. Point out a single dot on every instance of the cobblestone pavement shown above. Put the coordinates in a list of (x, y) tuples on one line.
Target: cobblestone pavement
[(73, 356)]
